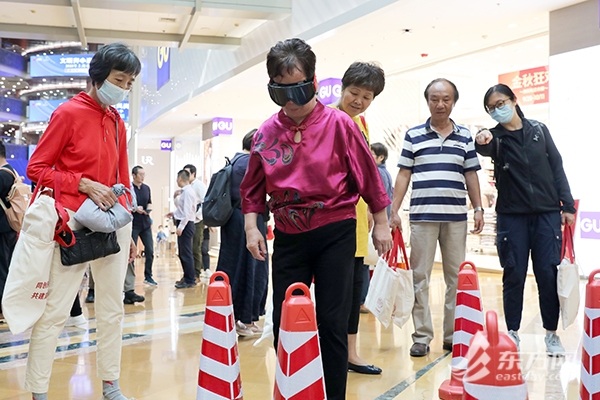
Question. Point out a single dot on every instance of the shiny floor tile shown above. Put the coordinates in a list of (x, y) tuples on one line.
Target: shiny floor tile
[(162, 338)]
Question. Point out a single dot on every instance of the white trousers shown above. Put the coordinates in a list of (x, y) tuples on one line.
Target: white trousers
[(64, 283), (424, 237)]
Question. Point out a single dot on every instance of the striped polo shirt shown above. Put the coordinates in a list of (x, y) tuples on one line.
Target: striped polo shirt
[(438, 169)]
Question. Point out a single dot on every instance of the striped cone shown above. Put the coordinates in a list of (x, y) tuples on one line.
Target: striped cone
[(590, 353), (494, 366), (468, 320), (299, 373), (219, 374)]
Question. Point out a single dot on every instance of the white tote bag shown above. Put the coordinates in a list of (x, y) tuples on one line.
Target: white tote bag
[(26, 289), (382, 292), (567, 280)]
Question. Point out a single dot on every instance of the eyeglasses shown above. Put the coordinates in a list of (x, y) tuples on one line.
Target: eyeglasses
[(499, 104), (299, 93)]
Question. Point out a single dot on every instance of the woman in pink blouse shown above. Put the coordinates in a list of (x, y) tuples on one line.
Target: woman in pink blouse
[(314, 164)]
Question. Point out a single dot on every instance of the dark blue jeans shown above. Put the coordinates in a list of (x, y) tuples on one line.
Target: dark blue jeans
[(146, 236), (186, 254), (520, 235)]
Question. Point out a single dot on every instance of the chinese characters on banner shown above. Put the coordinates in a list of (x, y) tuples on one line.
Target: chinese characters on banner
[(530, 85)]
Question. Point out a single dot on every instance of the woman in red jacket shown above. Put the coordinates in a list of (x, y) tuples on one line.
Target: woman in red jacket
[(84, 148)]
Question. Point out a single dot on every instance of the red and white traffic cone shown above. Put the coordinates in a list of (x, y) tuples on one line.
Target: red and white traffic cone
[(299, 373), (468, 320), (494, 366), (590, 352), (219, 373)]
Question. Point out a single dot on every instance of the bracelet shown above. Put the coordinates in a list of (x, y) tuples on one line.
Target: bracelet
[(475, 209), (478, 132)]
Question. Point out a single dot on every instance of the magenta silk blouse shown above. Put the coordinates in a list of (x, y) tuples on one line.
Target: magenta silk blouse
[(314, 182)]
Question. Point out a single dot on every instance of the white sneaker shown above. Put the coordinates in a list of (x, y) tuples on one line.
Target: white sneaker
[(243, 330), (514, 335), (78, 322), (257, 330), (553, 345), (207, 273)]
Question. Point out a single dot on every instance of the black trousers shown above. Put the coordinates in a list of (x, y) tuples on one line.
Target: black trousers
[(148, 241), (8, 241), (518, 235), (357, 287), (186, 254), (325, 254)]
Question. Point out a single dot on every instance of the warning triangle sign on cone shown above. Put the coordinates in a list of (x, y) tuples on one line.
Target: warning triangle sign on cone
[(494, 365), (299, 369), (468, 320), (219, 373)]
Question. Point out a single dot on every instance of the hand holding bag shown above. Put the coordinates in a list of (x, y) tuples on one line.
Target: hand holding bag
[(26, 290), (96, 219), (567, 280)]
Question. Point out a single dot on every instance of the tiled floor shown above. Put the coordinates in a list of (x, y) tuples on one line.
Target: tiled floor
[(162, 338)]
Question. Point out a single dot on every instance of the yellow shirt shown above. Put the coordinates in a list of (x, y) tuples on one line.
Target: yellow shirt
[(362, 219)]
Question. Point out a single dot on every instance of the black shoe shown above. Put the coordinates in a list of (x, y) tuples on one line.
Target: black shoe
[(364, 369), (90, 296), (132, 297), (447, 346), (183, 285), (419, 350)]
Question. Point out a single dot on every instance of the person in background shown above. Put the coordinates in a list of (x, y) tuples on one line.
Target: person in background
[(142, 223), (161, 241), (184, 216), (247, 275), (439, 158), (205, 250), (84, 148), (361, 83), (200, 190), (91, 297), (314, 163), (380, 155), (76, 317), (8, 237), (531, 206)]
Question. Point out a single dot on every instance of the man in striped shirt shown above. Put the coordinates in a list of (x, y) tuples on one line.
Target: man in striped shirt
[(439, 158)]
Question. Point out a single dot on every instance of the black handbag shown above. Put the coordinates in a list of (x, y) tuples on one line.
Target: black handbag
[(88, 246)]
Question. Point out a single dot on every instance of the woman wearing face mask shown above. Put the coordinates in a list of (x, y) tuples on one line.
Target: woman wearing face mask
[(534, 199), (84, 150)]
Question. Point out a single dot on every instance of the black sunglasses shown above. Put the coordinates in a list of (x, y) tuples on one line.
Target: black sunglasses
[(299, 93)]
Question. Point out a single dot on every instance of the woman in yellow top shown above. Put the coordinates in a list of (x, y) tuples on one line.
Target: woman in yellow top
[(361, 83)]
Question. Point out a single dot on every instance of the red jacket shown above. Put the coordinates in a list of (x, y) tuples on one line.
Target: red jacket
[(80, 142)]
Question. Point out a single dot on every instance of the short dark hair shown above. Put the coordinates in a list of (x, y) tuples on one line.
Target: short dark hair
[(433, 82), (113, 56), (191, 167), (366, 75), (184, 175), (289, 55), (2, 149), (247, 140), (380, 150), (135, 170), (505, 90)]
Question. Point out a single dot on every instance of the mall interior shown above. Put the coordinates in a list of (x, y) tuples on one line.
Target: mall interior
[(203, 87)]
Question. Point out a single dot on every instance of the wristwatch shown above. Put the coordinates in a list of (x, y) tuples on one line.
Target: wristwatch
[(475, 209)]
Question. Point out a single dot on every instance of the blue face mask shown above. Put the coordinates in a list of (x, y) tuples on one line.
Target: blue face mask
[(503, 114)]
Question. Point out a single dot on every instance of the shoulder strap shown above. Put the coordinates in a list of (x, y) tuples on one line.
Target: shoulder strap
[(10, 171)]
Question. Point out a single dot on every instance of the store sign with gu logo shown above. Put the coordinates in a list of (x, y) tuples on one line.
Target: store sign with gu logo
[(166, 145), (330, 90), (222, 126), (589, 225)]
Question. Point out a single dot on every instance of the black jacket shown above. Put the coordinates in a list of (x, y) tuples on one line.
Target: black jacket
[(528, 170)]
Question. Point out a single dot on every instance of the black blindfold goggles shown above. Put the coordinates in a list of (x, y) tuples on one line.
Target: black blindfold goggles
[(299, 93)]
